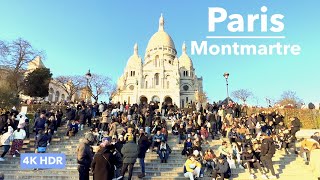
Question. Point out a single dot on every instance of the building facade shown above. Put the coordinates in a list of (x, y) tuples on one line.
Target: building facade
[(56, 92), (161, 76)]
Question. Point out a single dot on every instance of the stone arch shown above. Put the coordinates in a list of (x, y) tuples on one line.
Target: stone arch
[(143, 100), (167, 99)]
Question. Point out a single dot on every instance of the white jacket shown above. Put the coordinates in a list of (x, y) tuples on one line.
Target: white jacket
[(19, 135)]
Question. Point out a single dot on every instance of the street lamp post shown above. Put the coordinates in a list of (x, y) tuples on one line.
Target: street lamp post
[(88, 77), (137, 84), (226, 75)]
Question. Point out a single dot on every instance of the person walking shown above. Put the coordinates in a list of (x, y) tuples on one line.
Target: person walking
[(17, 143), (42, 140), (295, 126), (143, 144), (5, 140), (84, 156), (130, 152), (267, 151)]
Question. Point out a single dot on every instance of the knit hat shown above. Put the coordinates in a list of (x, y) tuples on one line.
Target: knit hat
[(106, 139)]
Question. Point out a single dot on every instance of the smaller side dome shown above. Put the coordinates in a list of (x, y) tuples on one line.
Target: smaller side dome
[(184, 60), (134, 60)]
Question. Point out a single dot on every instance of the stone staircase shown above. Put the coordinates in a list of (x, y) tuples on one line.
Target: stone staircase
[(287, 166)]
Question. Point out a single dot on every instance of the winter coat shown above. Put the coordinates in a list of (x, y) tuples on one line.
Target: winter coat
[(40, 123), (42, 140), (266, 147), (113, 128), (103, 165), (104, 117), (130, 152), (223, 167), (143, 144), (82, 116), (70, 115), (84, 154)]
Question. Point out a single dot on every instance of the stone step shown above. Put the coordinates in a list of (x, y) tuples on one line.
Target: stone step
[(40, 177)]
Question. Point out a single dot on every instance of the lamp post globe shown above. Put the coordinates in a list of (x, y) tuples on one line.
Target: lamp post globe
[(88, 77), (226, 76)]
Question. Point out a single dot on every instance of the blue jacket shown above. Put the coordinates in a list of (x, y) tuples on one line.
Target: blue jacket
[(156, 136)]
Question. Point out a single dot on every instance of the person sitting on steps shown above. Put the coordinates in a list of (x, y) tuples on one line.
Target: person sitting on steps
[(164, 151), (72, 129), (192, 168)]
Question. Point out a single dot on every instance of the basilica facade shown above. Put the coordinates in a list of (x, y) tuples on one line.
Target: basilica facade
[(159, 76)]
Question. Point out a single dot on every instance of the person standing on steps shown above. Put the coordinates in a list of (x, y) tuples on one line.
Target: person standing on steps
[(5, 141), (130, 152), (295, 126), (143, 144), (84, 156), (267, 151), (103, 162)]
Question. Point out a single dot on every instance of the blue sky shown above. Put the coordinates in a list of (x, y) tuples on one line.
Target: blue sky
[(78, 35)]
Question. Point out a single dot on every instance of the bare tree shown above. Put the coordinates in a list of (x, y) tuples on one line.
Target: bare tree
[(71, 84), (100, 85), (202, 97), (242, 94), (15, 56), (289, 98)]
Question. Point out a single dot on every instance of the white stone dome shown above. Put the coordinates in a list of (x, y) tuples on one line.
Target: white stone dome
[(160, 38), (184, 59)]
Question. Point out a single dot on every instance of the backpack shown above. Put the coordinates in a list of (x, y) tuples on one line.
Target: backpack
[(272, 148)]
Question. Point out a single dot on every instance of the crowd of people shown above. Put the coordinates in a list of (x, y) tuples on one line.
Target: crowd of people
[(252, 140), (124, 133)]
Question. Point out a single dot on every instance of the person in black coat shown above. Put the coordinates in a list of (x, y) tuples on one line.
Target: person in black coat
[(70, 115), (82, 117), (267, 151), (143, 144), (3, 121), (250, 160), (295, 126), (42, 140), (103, 161), (59, 115)]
